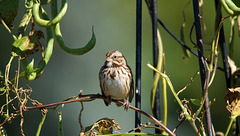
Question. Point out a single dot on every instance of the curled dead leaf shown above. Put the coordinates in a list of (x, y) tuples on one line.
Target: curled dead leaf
[(235, 73), (232, 65), (232, 100), (103, 126)]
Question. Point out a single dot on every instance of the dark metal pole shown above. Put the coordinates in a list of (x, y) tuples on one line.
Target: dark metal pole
[(223, 46), (138, 61), (170, 32), (201, 65), (156, 110)]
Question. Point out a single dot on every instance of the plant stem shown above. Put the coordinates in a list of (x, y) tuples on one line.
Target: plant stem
[(173, 91), (164, 102), (40, 125), (86, 98), (6, 83), (5, 25), (229, 125), (60, 124), (185, 112)]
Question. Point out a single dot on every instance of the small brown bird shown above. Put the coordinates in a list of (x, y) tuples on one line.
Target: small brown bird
[(116, 79)]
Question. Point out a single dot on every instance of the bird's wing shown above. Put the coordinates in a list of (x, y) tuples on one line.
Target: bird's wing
[(131, 91)]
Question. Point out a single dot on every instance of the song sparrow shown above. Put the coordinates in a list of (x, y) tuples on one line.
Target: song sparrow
[(116, 79)]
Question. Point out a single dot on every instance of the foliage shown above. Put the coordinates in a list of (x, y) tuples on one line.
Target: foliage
[(25, 45)]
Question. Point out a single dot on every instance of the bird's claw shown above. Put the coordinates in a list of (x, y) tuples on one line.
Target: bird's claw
[(126, 105)]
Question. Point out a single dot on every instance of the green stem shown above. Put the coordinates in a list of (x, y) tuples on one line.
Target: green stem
[(49, 48), (40, 125), (7, 111), (24, 22), (188, 117), (165, 102), (159, 67), (47, 23), (60, 124), (47, 53), (6, 84), (185, 112), (214, 45), (5, 25), (6, 78), (7, 71), (229, 125)]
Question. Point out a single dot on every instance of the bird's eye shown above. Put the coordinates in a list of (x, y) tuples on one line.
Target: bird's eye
[(114, 57)]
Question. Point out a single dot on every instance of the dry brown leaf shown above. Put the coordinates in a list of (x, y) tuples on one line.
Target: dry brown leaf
[(232, 100), (103, 126)]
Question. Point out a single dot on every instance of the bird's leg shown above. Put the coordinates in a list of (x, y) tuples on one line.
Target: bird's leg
[(126, 105), (108, 100)]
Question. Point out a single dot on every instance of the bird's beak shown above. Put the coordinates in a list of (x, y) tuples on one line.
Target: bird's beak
[(108, 59)]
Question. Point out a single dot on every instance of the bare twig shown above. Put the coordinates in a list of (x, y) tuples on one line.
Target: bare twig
[(179, 125), (142, 127), (214, 70), (79, 118), (192, 78), (85, 98)]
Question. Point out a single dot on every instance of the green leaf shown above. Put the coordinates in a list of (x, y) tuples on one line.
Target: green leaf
[(30, 74), (21, 45), (195, 101)]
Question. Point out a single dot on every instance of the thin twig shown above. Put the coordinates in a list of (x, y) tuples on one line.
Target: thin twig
[(190, 34), (142, 127), (184, 119), (85, 98), (214, 70), (192, 78), (79, 118), (8, 29), (172, 34)]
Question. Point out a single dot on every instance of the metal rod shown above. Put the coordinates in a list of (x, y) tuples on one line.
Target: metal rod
[(156, 110), (201, 65), (138, 62), (223, 46)]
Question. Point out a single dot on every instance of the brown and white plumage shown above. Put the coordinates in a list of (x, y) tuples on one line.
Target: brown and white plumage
[(116, 79)]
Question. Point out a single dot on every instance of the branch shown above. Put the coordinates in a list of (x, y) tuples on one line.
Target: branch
[(87, 98)]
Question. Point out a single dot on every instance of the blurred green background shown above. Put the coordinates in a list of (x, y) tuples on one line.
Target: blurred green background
[(115, 27)]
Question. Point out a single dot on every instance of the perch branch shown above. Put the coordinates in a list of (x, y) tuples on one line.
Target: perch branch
[(86, 98)]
